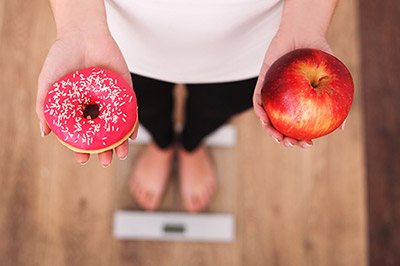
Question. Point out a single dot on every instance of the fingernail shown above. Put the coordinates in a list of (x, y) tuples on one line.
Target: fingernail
[(84, 163), (343, 125), (41, 129), (262, 122), (124, 158), (307, 145), (105, 166), (276, 140), (289, 144)]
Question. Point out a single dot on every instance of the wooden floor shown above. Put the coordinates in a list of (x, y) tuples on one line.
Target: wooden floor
[(292, 207), (380, 35)]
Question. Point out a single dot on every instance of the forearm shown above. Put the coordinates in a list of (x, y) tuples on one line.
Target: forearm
[(72, 15), (307, 17)]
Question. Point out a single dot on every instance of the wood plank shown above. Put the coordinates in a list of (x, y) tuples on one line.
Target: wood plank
[(379, 22), (22, 187), (2, 17)]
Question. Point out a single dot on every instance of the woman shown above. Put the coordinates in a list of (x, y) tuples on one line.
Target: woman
[(215, 47)]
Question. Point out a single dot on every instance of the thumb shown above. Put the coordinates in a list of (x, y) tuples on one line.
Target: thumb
[(257, 99), (127, 76), (261, 76), (41, 95)]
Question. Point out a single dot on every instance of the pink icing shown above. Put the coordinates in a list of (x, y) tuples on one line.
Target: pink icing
[(66, 101)]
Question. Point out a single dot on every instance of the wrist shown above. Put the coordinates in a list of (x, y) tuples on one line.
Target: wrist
[(307, 18), (79, 16)]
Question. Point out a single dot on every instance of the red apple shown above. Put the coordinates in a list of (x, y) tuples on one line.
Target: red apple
[(307, 94)]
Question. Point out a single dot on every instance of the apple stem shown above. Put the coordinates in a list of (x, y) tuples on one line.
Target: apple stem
[(316, 83)]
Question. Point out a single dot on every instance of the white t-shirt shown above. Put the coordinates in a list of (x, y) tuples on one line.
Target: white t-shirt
[(194, 41)]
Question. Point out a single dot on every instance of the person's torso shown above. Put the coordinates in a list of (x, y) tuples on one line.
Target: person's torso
[(192, 41)]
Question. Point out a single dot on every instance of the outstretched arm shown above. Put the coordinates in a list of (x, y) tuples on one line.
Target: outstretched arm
[(304, 24), (83, 40)]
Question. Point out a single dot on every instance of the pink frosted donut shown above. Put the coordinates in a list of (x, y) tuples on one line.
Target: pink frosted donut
[(91, 110)]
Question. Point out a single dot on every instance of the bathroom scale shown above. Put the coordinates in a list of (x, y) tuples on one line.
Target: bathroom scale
[(173, 226)]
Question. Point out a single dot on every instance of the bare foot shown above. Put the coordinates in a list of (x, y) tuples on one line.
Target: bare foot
[(197, 178), (150, 175)]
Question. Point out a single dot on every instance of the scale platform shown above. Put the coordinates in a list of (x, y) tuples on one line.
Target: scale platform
[(169, 226)]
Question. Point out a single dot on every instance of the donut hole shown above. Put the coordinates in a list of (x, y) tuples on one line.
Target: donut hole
[(91, 111)]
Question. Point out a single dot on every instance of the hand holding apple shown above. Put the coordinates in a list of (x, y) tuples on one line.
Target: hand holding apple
[(307, 94), (283, 43)]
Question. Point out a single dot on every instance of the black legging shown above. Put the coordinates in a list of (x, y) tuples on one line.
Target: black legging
[(208, 106)]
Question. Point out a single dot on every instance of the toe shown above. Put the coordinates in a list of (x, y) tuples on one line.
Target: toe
[(196, 200), (138, 194), (146, 198), (152, 201), (188, 203), (193, 203), (205, 199)]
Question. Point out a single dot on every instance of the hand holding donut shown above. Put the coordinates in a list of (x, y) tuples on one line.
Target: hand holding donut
[(75, 50)]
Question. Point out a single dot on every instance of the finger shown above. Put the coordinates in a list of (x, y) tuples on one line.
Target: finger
[(259, 108), (261, 114), (120, 67), (82, 158), (260, 81), (305, 144), (122, 150), (105, 158), (135, 132), (289, 142), (276, 136), (127, 76), (261, 76), (40, 97)]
